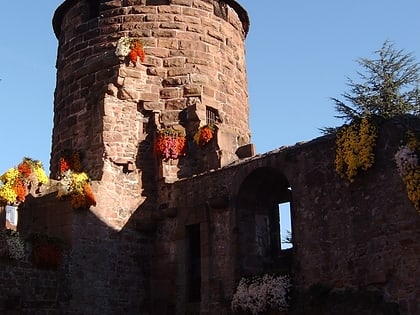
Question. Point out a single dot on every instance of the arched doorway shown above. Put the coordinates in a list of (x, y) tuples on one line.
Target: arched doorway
[(259, 220)]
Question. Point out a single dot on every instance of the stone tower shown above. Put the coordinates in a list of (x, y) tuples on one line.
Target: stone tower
[(110, 109)]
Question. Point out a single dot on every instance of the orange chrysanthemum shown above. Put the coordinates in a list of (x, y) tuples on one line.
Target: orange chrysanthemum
[(20, 189), (203, 135), (136, 51), (25, 169), (64, 165), (89, 196)]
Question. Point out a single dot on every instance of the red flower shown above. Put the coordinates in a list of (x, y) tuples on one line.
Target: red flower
[(25, 169), (204, 135), (20, 190), (64, 165), (170, 146), (136, 51)]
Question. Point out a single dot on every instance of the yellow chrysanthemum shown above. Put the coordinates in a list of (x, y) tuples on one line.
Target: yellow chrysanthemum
[(10, 176), (354, 151), (78, 180), (7, 193), (40, 175)]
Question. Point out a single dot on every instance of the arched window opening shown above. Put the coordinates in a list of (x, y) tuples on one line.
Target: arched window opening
[(264, 211)]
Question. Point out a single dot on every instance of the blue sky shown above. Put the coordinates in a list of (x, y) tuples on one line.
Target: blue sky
[(299, 54)]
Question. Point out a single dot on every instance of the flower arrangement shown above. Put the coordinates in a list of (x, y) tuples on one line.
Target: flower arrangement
[(46, 251), (17, 181), (74, 182), (204, 134), (131, 48), (11, 245), (170, 144), (260, 294), (355, 145), (407, 162)]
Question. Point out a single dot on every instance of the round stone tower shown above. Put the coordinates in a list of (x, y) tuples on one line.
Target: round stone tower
[(111, 105)]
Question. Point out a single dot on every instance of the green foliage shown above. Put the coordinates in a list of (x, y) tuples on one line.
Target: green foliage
[(390, 87)]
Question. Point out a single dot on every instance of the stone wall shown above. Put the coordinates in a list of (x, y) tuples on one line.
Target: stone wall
[(353, 243), (361, 237), (176, 236), (109, 109), (28, 290)]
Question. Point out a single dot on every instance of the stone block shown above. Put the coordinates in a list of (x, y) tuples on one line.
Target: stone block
[(167, 93), (175, 81), (245, 151), (169, 117), (192, 90), (176, 104), (153, 106)]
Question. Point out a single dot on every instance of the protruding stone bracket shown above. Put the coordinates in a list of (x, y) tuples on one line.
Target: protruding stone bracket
[(245, 151), (128, 166)]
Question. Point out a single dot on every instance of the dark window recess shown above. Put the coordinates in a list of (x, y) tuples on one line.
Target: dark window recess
[(94, 9), (212, 116), (145, 127), (220, 10), (194, 263), (157, 2)]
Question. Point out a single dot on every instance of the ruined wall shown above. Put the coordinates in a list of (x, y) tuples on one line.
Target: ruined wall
[(355, 245), (346, 236)]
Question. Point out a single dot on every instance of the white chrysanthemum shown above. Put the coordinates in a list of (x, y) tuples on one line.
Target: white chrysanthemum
[(406, 160), (259, 294), (16, 246), (123, 47)]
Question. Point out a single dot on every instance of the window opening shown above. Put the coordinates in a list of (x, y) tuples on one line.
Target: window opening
[(212, 116), (285, 225), (194, 263)]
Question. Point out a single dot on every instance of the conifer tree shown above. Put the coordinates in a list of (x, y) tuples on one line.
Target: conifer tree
[(390, 87)]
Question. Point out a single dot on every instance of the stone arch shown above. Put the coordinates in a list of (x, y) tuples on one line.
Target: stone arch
[(257, 215)]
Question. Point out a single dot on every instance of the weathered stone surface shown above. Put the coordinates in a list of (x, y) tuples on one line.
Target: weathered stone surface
[(133, 253), (192, 90)]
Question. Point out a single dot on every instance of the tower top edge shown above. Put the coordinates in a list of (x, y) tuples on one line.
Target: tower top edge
[(62, 9)]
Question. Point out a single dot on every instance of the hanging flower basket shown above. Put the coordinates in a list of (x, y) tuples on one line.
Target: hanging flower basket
[(74, 182), (130, 48), (204, 135), (170, 144), (16, 182)]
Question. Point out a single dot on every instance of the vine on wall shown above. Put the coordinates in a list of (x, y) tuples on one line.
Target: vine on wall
[(355, 145)]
